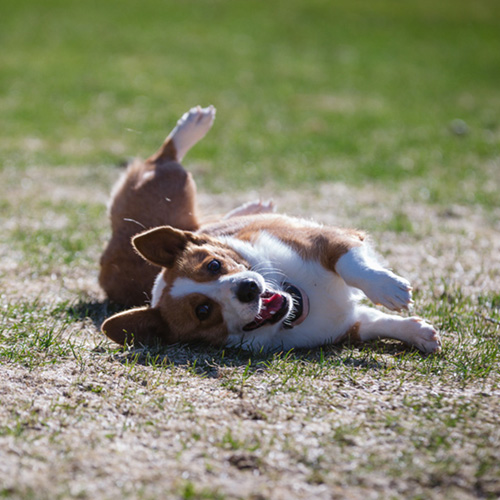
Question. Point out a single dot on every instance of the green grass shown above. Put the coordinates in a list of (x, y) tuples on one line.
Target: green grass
[(34, 334), (306, 91)]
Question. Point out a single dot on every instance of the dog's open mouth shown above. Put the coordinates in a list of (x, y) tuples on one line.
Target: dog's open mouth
[(293, 305), (273, 308)]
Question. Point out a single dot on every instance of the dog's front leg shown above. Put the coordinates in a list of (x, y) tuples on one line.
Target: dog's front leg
[(359, 269)]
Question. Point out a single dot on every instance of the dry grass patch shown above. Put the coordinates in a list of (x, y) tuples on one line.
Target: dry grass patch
[(80, 418)]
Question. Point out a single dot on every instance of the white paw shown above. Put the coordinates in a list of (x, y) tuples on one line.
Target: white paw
[(422, 335), (252, 207), (385, 288), (190, 128), (198, 116), (359, 269)]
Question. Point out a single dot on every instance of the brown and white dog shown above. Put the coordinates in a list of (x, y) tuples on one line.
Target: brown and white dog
[(254, 279)]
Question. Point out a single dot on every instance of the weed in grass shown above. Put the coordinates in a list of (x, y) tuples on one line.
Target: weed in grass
[(33, 334), (236, 378), (189, 491)]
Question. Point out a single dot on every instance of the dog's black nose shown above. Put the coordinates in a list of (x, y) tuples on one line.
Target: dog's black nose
[(248, 290)]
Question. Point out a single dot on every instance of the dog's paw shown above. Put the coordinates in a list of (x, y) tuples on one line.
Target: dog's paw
[(191, 127), (197, 117), (385, 288), (251, 208), (422, 335)]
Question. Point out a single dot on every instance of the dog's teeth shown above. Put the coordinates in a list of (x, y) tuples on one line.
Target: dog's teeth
[(272, 313)]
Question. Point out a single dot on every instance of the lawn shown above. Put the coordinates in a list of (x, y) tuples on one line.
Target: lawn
[(382, 115)]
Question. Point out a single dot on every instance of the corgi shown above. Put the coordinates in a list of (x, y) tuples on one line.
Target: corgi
[(254, 279)]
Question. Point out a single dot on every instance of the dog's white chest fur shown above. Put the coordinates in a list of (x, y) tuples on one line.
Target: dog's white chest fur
[(330, 298)]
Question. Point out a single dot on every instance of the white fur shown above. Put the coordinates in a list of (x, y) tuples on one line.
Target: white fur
[(158, 288), (359, 268), (375, 324), (191, 127), (330, 299)]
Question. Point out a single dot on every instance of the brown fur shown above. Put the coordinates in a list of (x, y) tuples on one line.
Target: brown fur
[(325, 244), (140, 325), (185, 253), (174, 322), (352, 335), (153, 193), (184, 326)]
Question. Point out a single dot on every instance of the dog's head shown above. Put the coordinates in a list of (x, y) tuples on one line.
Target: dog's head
[(205, 291)]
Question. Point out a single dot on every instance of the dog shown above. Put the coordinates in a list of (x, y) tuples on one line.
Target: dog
[(253, 279)]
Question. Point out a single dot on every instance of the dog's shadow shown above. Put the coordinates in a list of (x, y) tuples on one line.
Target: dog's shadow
[(94, 310), (211, 362)]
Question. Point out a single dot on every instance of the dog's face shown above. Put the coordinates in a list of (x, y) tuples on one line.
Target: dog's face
[(205, 292)]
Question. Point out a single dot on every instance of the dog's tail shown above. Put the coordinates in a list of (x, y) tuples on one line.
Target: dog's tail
[(190, 128)]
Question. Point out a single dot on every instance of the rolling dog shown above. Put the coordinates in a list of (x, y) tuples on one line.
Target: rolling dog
[(254, 278)]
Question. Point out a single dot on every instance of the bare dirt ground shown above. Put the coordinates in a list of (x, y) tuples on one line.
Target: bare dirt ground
[(188, 422)]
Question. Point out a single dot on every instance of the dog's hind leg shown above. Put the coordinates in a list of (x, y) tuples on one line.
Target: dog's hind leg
[(252, 208), (191, 128), (153, 193), (373, 324)]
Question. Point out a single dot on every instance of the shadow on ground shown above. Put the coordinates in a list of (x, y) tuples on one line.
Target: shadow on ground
[(207, 361)]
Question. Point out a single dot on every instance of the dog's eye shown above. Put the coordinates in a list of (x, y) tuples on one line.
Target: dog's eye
[(214, 266), (203, 312)]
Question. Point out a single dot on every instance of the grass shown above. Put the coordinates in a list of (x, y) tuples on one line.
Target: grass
[(383, 116), (306, 91)]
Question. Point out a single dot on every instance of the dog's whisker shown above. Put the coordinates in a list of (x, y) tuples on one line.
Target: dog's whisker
[(136, 222)]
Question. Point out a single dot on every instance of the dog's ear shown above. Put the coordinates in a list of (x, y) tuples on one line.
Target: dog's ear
[(142, 325), (162, 245)]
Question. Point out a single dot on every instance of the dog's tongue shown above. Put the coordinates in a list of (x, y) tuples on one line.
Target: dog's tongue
[(271, 304), (272, 309)]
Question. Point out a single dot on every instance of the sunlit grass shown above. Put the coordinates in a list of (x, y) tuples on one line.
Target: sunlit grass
[(306, 91)]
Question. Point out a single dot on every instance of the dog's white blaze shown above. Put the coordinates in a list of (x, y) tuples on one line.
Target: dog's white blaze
[(263, 254), (185, 286), (158, 288)]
